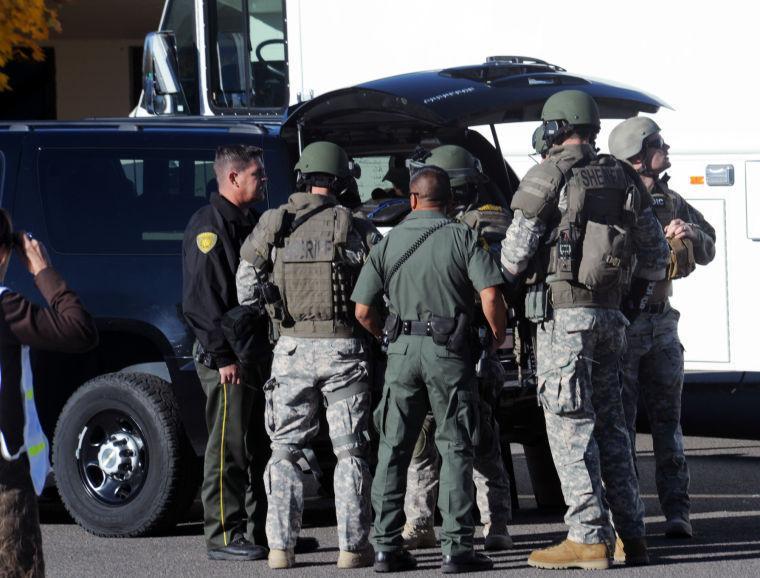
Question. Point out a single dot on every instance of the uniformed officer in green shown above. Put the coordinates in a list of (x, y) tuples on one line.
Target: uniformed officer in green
[(428, 267)]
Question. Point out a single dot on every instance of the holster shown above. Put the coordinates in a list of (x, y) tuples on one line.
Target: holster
[(392, 328), (442, 329), (459, 339)]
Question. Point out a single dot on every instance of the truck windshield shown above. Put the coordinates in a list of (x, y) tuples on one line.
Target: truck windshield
[(248, 54)]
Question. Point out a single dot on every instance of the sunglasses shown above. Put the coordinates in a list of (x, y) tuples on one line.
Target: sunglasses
[(655, 142)]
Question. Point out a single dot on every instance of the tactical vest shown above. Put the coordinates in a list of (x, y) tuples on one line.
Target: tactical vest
[(590, 250), (314, 279), (491, 223), (663, 205)]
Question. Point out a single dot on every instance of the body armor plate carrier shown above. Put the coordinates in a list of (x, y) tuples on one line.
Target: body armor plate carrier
[(589, 250), (314, 279)]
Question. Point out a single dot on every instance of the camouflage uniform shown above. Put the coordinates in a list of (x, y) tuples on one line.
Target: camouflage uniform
[(579, 349), (308, 372), (653, 363), (316, 361)]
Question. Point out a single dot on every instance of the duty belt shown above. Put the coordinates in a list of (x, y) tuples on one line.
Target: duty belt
[(416, 328), (205, 358), (655, 308)]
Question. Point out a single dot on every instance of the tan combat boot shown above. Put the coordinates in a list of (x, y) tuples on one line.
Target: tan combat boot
[(281, 559), (569, 554), (497, 537), (631, 551), (359, 559), (418, 537)]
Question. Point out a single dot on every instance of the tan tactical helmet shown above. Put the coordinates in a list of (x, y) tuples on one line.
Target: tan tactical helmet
[(627, 138)]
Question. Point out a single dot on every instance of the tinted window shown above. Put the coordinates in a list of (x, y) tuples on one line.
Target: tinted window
[(2, 174), (122, 201)]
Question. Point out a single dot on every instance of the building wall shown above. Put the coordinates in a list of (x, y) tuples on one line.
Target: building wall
[(93, 77)]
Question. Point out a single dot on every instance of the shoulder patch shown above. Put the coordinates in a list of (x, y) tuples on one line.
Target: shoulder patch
[(495, 208), (206, 241)]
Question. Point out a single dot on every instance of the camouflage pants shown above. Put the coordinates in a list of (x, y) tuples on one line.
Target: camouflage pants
[(20, 538), (579, 355), (307, 373), (491, 481), (653, 369)]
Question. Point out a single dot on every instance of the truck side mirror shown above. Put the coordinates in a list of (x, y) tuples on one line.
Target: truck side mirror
[(162, 90)]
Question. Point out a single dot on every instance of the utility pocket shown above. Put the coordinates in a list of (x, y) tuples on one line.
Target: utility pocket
[(605, 256), (467, 418), (562, 390)]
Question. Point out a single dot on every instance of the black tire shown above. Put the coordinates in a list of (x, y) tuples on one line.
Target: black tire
[(113, 416)]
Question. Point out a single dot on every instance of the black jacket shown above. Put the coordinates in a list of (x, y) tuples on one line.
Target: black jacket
[(210, 257)]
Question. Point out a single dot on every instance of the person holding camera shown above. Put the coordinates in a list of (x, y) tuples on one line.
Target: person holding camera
[(63, 326)]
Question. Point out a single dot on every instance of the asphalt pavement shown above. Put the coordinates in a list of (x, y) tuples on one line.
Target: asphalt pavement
[(725, 492)]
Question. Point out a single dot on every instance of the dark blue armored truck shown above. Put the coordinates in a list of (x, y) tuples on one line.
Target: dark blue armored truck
[(110, 199)]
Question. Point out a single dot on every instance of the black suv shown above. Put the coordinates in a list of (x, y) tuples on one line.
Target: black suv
[(110, 199)]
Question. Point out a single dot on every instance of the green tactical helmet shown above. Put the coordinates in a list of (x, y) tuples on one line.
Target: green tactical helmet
[(573, 106), (461, 166), (627, 138), (324, 157), (539, 142)]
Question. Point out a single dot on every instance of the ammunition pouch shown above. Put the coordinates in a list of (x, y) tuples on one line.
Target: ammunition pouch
[(537, 303), (681, 258)]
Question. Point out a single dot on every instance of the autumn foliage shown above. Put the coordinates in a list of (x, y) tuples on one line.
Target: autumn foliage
[(24, 24)]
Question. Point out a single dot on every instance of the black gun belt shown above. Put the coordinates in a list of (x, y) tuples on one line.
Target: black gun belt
[(655, 308), (416, 328)]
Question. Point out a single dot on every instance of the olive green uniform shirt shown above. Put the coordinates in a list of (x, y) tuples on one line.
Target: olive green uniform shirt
[(437, 279)]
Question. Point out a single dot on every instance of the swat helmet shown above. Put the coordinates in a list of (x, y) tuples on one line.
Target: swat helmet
[(464, 170), (567, 110), (627, 139), (539, 142), (462, 167), (325, 164)]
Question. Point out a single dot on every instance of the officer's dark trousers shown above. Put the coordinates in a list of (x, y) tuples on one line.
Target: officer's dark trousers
[(421, 374), (236, 454)]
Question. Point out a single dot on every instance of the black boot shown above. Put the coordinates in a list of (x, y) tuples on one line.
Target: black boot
[(468, 562), (239, 549), (306, 544), (394, 561)]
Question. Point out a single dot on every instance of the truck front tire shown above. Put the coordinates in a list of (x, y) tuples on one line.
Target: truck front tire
[(122, 464)]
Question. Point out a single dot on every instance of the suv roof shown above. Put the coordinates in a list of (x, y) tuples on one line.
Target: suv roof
[(503, 89)]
